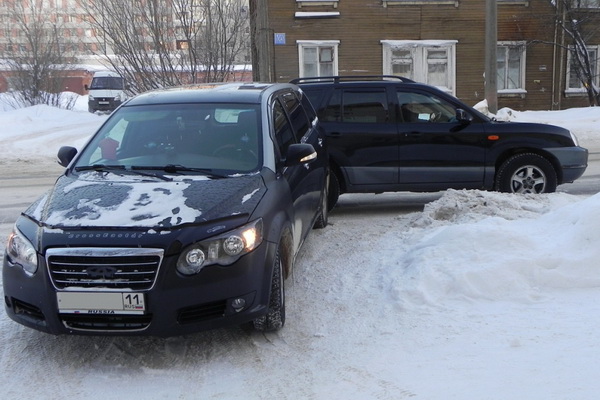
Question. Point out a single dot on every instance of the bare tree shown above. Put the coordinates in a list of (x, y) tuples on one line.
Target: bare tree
[(580, 25), (224, 35), (35, 55), (161, 43)]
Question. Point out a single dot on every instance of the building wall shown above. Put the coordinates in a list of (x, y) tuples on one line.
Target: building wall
[(362, 24)]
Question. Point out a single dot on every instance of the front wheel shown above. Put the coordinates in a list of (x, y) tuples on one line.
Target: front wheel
[(275, 317), (322, 218), (526, 173), (333, 190)]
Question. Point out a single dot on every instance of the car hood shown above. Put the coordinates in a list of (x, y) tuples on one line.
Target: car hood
[(96, 199)]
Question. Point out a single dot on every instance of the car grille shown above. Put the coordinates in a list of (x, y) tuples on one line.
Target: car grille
[(201, 312), (106, 323), (103, 268)]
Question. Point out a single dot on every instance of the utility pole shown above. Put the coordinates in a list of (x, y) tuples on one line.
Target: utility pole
[(491, 67)]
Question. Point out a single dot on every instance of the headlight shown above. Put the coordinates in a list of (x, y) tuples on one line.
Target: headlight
[(90, 98), (21, 252), (224, 249), (575, 141)]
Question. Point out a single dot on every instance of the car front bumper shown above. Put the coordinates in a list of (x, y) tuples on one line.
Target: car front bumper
[(175, 305), (572, 160)]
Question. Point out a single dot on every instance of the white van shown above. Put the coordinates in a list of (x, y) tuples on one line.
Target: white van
[(106, 92)]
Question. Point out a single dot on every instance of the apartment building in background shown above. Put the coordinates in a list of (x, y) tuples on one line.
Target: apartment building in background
[(84, 46)]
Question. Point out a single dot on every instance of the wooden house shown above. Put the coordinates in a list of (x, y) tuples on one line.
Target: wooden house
[(439, 42)]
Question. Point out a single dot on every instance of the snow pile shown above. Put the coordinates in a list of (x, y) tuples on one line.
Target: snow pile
[(37, 132), (492, 246)]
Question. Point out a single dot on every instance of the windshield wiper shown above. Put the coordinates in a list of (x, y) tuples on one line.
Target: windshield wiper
[(99, 167), (103, 167), (175, 168)]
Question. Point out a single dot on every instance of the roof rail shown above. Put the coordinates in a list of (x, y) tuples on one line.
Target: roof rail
[(350, 78)]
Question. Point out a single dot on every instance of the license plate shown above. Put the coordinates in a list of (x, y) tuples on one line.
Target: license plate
[(100, 303), (103, 102)]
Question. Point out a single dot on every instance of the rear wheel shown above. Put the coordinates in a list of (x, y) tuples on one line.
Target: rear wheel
[(275, 317), (526, 173)]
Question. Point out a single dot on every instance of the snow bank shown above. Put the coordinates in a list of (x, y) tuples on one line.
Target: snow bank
[(491, 246)]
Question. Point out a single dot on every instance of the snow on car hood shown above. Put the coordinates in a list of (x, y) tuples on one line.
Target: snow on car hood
[(106, 200)]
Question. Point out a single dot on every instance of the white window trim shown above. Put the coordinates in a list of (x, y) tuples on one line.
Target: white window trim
[(309, 3), (580, 91), (321, 14), (421, 64), (521, 90), (318, 43), (418, 2), (514, 2)]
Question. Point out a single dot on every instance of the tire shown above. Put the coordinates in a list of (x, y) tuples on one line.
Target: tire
[(275, 317), (526, 173), (323, 217), (333, 190)]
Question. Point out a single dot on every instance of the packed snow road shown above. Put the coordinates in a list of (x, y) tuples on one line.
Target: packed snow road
[(442, 296)]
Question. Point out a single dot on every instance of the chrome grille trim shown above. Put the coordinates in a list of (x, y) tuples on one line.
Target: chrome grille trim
[(91, 268)]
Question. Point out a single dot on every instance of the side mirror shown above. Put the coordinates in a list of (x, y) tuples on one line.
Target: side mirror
[(300, 153), (463, 117), (66, 154)]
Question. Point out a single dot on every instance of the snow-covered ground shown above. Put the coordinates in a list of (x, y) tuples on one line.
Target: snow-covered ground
[(478, 296)]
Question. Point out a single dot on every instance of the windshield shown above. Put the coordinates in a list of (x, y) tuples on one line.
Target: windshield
[(107, 82), (211, 139)]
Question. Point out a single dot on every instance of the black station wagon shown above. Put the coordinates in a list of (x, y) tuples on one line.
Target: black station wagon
[(184, 212), (387, 133)]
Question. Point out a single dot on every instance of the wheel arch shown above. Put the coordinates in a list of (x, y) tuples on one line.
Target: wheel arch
[(334, 168), (503, 157)]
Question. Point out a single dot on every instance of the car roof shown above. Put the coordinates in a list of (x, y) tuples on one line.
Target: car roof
[(360, 81), (351, 79), (240, 92)]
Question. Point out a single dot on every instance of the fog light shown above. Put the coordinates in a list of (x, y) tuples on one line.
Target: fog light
[(238, 304)]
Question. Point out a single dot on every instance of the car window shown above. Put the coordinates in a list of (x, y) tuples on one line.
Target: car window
[(314, 96), (358, 106), (424, 108), (333, 111), (284, 134), (210, 136), (298, 117), (309, 109)]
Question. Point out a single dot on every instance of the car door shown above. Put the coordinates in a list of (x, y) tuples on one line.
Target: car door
[(436, 150), (361, 134), (306, 180)]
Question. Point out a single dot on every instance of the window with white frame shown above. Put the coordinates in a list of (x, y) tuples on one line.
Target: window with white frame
[(427, 61), (587, 3), (574, 83), (318, 58), (510, 57)]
